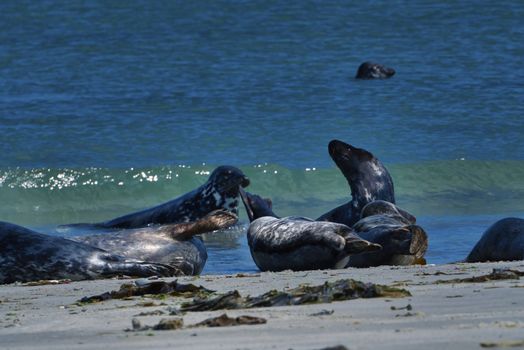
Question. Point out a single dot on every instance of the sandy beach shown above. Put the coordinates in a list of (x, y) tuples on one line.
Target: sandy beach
[(438, 315)]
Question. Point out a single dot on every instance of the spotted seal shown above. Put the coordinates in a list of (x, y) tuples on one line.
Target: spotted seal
[(219, 192), (504, 240), (297, 243), (368, 179), (403, 242), (175, 245), (370, 70), (26, 255)]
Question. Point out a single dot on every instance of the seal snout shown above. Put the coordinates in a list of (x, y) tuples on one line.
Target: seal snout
[(338, 148)]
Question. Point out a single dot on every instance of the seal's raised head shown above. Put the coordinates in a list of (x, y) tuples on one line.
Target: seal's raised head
[(368, 178), (256, 206), (370, 70), (223, 185)]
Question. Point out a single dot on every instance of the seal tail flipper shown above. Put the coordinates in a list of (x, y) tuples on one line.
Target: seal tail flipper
[(356, 245), (216, 220), (419, 241)]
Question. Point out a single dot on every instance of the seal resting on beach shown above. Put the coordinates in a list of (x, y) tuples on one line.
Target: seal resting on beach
[(297, 243), (175, 245), (504, 240), (403, 242), (370, 70), (219, 192), (368, 180), (26, 255)]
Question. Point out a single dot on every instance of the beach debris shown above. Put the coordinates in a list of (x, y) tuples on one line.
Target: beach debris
[(177, 323), (225, 321), (336, 347), (128, 290), (151, 313), (496, 274), (503, 344), (407, 307), (344, 289), (323, 313), (46, 282)]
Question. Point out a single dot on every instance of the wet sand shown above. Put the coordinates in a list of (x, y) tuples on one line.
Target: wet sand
[(440, 315)]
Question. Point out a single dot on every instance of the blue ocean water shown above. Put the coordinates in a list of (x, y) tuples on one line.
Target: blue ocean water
[(109, 107)]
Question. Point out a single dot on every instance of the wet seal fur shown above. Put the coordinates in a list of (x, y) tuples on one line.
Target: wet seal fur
[(175, 245), (504, 240), (297, 243), (371, 70), (219, 192), (368, 179), (403, 242), (26, 255)]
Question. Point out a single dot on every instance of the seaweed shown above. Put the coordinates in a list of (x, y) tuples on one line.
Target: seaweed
[(128, 290), (496, 274), (328, 292)]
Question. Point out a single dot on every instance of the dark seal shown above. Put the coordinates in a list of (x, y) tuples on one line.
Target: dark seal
[(370, 70), (368, 180), (26, 255), (298, 243), (504, 240), (219, 192), (175, 245), (403, 242)]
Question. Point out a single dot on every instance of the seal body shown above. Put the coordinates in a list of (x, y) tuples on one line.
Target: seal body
[(368, 180), (219, 192), (403, 242), (504, 240), (26, 255), (298, 243), (371, 70), (176, 245)]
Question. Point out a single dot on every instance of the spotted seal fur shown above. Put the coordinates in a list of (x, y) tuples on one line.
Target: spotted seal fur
[(297, 243), (26, 255), (368, 179), (219, 192), (175, 245), (504, 240)]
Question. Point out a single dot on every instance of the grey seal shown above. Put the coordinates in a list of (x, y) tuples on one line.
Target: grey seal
[(371, 70), (175, 245), (368, 180), (26, 255), (297, 243), (403, 242), (504, 240), (219, 192)]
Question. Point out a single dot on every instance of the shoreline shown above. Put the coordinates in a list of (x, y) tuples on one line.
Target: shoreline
[(447, 315)]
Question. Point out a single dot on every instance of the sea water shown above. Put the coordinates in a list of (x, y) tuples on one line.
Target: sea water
[(111, 107)]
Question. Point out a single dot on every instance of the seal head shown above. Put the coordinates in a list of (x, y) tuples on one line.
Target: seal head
[(370, 70), (368, 180)]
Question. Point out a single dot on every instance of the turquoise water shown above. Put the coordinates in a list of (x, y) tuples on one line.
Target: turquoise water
[(111, 107)]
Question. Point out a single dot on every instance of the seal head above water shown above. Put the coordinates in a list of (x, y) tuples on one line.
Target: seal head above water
[(298, 243), (219, 192), (370, 70), (368, 180)]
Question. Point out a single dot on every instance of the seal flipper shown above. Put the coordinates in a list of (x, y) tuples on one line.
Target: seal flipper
[(216, 220)]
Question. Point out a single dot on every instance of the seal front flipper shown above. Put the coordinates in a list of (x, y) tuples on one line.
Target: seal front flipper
[(216, 220)]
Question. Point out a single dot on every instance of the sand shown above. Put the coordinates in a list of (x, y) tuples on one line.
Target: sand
[(440, 316)]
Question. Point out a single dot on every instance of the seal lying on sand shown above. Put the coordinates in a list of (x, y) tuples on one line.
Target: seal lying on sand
[(370, 70), (368, 179), (26, 255), (297, 243), (403, 242), (504, 240), (219, 192), (174, 245)]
